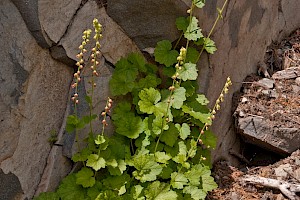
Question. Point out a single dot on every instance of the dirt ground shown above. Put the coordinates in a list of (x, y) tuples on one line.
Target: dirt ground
[(280, 106)]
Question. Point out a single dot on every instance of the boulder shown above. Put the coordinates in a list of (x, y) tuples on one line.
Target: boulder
[(147, 23), (33, 95), (115, 43)]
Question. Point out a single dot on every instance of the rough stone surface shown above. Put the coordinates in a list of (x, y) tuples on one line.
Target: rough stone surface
[(55, 16), (33, 96), (10, 187), (247, 29), (147, 23), (115, 42), (258, 131), (34, 87), (29, 12)]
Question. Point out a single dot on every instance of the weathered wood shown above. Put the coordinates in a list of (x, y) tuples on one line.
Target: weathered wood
[(288, 189)]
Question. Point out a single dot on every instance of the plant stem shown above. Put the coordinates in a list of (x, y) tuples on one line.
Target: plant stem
[(213, 27)]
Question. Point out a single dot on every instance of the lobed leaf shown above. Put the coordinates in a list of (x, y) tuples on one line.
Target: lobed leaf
[(148, 99), (188, 72), (193, 31), (85, 177), (209, 45), (164, 54)]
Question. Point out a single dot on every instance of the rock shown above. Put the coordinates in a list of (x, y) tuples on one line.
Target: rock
[(10, 187), (289, 73), (55, 16), (270, 93), (114, 45), (266, 83), (29, 12), (33, 94), (297, 81), (258, 131), (296, 89), (147, 23), (283, 171)]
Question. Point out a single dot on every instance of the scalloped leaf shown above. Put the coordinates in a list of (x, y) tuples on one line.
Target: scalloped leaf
[(95, 162), (182, 23), (199, 3), (184, 130), (193, 31), (188, 72), (148, 99), (69, 190), (164, 54), (160, 191), (85, 177), (209, 46)]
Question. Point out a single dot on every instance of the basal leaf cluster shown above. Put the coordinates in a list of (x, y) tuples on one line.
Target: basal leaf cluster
[(160, 149)]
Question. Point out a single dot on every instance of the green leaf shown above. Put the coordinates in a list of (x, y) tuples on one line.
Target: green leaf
[(194, 174), (182, 23), (188, 72), (122, 82), (202, 99), (47, 196), (199, 3), (178, 180), (193, 148), (121, 109), (159, 191), (164, 54), (184, 130), (173, 151), (95, 190), (178, 98), (82, 155), (149, 97), (159, 124), (69, 190), (119, 169), (137, 191), (74, 123), (85, 177), (209, 139), (88, 99), (100, 139), (195, 192), (161, 110), (95, 162), (123, 78), (208, 183), (181, 157), (193, 31), (126, 122), (203, 117), (137, 60), (190, 87), (149, 81), (209, 45), (170, 136), (116, 182), (146, 167), (162, 157), (192, 55)]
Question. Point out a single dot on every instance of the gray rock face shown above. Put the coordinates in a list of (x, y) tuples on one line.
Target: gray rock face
[(33, 96), (147, 23), (34, 87), (115, 43), (10, 187), (259, 132), (55, 16)]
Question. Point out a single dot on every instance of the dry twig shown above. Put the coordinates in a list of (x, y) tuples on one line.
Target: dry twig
[(288, 189)]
